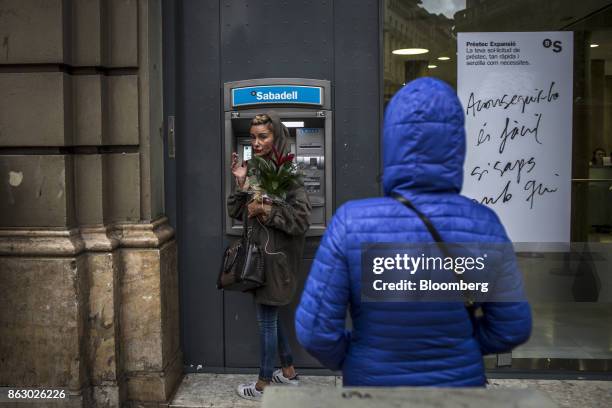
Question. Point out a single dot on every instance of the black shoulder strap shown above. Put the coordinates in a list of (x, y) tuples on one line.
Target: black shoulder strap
[(245, 222), (469, 300), (432, 230)]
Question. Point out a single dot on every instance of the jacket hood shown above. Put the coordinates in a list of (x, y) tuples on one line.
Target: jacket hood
[(281, 133), (423, 139)]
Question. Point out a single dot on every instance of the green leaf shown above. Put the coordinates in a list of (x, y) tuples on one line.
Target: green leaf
[(275, 180)]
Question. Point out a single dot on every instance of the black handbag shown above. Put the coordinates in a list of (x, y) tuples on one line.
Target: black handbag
[(242, 267)]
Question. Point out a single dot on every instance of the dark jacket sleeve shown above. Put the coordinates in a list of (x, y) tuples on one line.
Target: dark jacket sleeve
[(291, 217), (505, 324), (236, 203), (320, 316)]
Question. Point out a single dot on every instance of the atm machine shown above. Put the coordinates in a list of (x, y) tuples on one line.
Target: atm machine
[(304, 106)]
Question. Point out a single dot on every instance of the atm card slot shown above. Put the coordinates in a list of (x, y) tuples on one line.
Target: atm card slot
[(317, 201)]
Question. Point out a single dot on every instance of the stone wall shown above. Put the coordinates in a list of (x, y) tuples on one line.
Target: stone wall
[(88, 277)]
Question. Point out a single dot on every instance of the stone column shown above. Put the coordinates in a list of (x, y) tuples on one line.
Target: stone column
[(88, 277)]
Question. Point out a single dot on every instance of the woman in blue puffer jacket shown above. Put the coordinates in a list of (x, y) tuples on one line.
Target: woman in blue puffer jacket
[(408, 343)]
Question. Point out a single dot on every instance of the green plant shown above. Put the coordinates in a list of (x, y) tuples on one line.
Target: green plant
[(274, 176)]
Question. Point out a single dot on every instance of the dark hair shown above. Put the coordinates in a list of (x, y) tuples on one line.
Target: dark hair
[(599, 149), (594, 160)]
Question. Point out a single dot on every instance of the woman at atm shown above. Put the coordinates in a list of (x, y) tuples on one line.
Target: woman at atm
[(278, 227)]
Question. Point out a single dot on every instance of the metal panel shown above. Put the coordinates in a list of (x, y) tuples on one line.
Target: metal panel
[(357, 99), (276, 38), (233, 40), (199, 201)]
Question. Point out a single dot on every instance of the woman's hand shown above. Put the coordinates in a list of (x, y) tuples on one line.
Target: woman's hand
[(239, 171), (258, 209)]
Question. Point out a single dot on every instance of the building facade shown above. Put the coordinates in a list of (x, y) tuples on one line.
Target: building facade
[(88, 268), (115, 128)]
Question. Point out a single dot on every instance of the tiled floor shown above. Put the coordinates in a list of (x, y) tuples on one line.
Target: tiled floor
[(218, 391)]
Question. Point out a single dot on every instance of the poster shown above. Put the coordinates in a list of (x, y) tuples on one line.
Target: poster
[(516, 92)]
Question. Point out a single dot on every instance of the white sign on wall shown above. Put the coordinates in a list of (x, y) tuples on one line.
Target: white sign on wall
[(516, 92)]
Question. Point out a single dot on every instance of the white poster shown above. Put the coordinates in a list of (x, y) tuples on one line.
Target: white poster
[(516, 92)]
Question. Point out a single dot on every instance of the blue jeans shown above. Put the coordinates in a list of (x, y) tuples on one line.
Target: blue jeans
[(271, 338)]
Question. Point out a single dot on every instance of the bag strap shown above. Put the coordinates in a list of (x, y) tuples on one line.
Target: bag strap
[(245, 222), (469, 299), (432, 230)]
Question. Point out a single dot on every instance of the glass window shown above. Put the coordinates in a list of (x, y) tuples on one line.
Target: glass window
[(572, 320)]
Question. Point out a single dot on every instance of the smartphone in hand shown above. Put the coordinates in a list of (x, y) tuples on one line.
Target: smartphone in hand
[(247, 153)]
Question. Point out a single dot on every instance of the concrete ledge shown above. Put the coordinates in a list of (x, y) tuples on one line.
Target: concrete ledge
[(40, 242), (98, 238), (219, 391), (152, 235), (413, 397), (25, 242)]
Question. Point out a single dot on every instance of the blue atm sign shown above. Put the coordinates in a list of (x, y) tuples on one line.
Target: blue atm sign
[(277, 94)]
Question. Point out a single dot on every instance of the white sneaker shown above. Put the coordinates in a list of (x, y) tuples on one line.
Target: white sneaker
[(248, 391), (279, 378)]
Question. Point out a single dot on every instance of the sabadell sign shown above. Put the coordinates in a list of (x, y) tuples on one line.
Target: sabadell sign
[(277, 94)]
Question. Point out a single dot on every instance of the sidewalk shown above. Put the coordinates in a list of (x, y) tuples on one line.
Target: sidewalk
[(218, 390)]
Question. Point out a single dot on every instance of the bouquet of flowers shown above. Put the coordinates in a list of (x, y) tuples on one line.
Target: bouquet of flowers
[(273, 178)]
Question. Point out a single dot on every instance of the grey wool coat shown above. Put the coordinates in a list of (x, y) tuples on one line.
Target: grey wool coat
[(280, 235)]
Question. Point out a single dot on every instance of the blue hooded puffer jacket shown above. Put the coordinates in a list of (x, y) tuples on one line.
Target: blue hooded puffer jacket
[(409, 343)]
